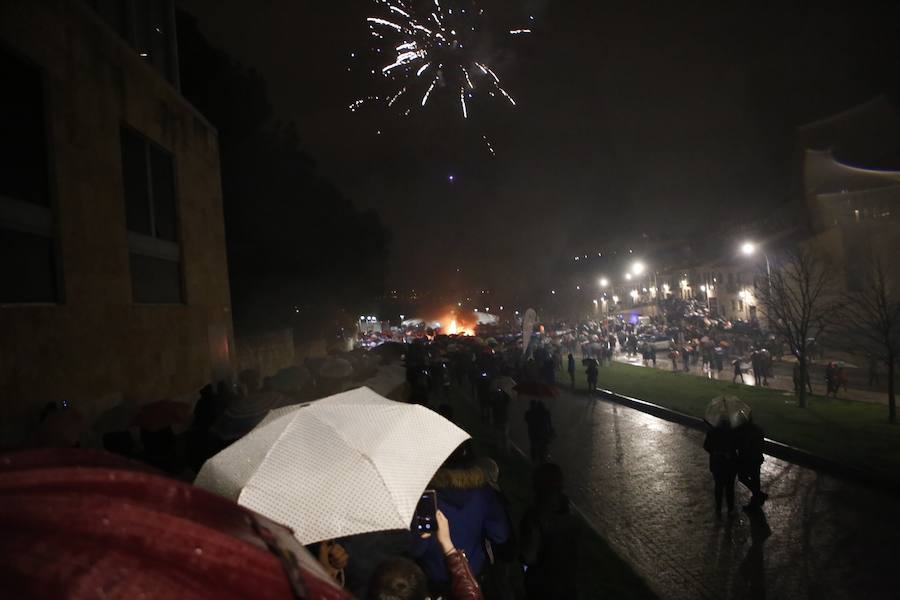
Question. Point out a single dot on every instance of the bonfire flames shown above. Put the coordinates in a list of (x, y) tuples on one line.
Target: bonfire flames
[(457, 325)]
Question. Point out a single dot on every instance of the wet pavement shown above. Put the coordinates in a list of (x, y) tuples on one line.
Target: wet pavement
[(643, 483)]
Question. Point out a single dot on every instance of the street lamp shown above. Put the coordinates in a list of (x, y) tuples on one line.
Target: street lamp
[(628, 276), (749, 249), (604, 282), (638, 268)]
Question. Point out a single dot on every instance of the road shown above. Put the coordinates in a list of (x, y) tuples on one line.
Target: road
[(644, 485)]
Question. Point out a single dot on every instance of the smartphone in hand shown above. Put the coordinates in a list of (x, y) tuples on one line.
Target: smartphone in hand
[(425, 517)]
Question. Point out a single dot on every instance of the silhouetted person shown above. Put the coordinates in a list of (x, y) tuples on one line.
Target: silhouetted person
[(540, 430), (738, 372), (592, 373), (722, 463), (571, 369), (550, 539), (873, 372), (748, 442)]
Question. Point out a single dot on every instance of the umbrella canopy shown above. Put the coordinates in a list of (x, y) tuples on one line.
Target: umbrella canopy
[(507, 384), (534, 388), (351, 463), (291, 379), (82, 523), (727, 408), (336, 368), (162, 414)]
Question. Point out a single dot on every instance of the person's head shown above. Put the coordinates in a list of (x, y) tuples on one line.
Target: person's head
[(398, 579), (491, 471)]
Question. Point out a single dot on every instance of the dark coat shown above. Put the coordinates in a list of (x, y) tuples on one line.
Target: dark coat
[(550, 545), (719, 443), (749, 440), (474, 512)]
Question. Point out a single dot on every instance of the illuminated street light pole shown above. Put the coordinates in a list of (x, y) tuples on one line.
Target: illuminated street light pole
[(749, 249)]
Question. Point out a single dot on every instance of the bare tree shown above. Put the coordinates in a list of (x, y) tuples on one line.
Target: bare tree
[(798, 300), (870, 319)]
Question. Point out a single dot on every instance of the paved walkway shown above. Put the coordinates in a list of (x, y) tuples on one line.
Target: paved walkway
[(644, 485), (782, 380)]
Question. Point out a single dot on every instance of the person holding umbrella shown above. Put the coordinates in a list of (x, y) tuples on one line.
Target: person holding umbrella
[(719, 443), (735, 448)]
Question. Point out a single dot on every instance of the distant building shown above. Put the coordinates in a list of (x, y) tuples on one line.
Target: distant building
[(113, 274), (850, 166)]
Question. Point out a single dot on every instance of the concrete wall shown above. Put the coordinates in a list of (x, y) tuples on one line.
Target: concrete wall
[(96, 347)]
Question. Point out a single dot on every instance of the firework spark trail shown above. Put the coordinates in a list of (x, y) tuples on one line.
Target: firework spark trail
[(394, 99), (438, 39), (428, 93), (385, 22)]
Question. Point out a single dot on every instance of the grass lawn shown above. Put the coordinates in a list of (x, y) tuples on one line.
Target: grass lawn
[(601, 573), (852, 433)]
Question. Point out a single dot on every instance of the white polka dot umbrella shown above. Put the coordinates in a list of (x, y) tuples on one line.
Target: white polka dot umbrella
[(351, 463)]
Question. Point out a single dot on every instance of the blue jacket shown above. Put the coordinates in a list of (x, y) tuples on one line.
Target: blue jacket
[(474, 512)]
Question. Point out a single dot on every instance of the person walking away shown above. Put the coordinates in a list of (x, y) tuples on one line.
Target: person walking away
[(571, 369), (831, 380), (756, 365), (686, 359), (550, 539), (500, 408), (653, 355), (748, 443), (738, 372), (674, 356), (719, 443), (873, 372), (841, 379), (502, 580), (540, 431), (592, 373)]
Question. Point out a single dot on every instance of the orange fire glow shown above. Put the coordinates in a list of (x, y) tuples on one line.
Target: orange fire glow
[(456, 327)]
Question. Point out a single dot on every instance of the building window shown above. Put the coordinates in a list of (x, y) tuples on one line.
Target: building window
[(741, 305), (28, 272), (733, 306), (148, 176)]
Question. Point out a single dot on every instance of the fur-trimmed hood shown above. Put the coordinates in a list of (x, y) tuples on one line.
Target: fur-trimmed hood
[(468, 478)]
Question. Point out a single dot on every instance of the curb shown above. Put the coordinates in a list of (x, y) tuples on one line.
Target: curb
[(772, 447)]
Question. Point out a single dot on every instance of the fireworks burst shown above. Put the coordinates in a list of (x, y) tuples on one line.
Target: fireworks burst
[(434, 48)]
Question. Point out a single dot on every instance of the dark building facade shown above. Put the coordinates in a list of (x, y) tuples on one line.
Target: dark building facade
[(113, 275)]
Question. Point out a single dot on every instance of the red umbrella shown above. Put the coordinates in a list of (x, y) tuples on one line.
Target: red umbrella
[(84, 524), (158, 415), (540, 390)]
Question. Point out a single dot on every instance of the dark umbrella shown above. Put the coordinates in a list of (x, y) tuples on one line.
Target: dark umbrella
[(162, 414)]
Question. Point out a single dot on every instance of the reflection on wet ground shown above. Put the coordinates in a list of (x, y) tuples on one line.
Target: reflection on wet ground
[(644, 484)]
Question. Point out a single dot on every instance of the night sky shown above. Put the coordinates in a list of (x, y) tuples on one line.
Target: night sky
[(633, 116)]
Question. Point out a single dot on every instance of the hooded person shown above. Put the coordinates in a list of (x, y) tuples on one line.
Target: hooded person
[(473, 510)]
